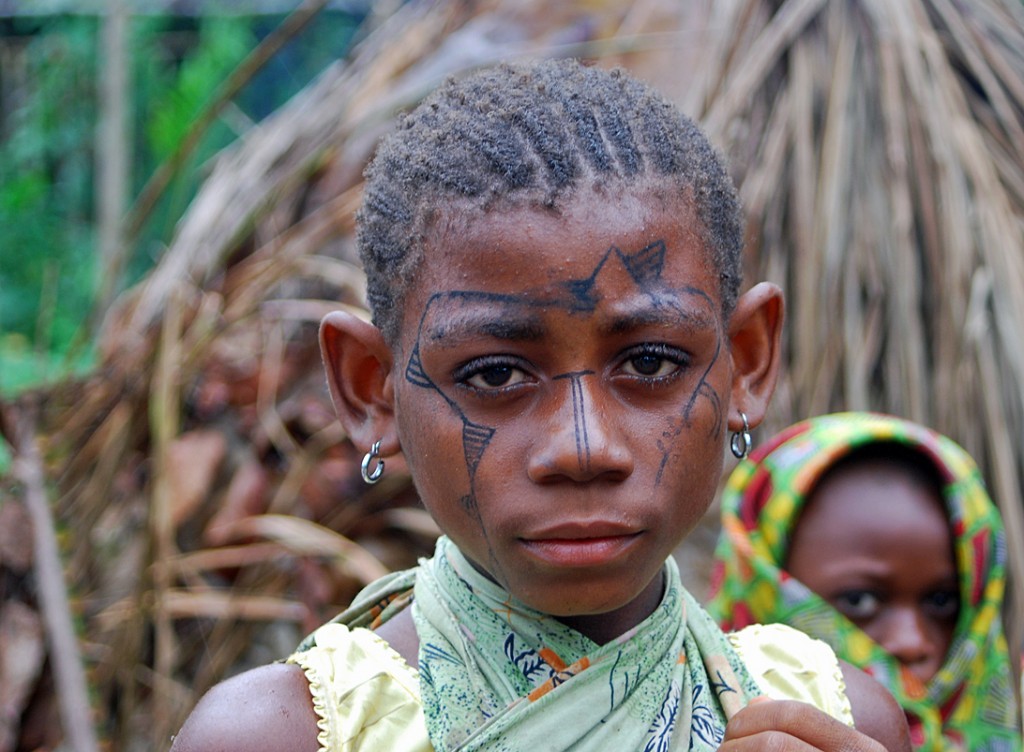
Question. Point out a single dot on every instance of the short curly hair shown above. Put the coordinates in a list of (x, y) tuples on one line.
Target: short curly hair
[(532, 134)]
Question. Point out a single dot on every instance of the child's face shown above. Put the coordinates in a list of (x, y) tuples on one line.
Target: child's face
[(875, 543), (561, 393)]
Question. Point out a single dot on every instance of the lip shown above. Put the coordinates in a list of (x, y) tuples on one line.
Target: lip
[(573, 548), (581, 529)]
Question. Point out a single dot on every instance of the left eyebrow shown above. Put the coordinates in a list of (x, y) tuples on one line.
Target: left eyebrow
[(672, 314)]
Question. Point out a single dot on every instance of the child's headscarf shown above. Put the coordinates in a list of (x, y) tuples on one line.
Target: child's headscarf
[(969, 703)]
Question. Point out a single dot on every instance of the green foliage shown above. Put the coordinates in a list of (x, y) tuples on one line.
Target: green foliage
[(172, 89), (45, 200), (22, 367), (222, 44), (47, 154)]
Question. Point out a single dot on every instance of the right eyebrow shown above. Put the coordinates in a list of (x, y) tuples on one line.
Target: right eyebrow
[(665, 317), (449, 328)]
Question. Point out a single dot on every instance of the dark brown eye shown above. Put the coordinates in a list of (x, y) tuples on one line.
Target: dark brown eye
[(646, 365), (943, 604), (653, 361), (494, 376), (857, 604), (489, 374)]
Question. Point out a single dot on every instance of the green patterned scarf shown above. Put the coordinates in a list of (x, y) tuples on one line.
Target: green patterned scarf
[(496, 675), (969, 703)]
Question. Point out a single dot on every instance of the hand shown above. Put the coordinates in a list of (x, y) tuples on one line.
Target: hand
[(790, 726)]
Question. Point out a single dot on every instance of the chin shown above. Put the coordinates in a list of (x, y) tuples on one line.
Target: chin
[(571, 600), (586, 608), (596, 598)]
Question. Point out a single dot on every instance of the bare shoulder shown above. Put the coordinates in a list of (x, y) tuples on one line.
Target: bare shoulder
[(263, 710), (400, 633), (875, 712)]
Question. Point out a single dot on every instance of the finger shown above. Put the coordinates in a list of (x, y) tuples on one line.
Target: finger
[(800, 721), (769, 741)]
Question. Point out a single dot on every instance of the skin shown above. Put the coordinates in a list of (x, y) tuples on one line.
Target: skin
[(605, 385), (874, 541), (562, 391)]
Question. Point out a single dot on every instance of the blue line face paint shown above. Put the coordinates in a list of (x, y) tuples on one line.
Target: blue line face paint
[(560, 383), (579, 417)]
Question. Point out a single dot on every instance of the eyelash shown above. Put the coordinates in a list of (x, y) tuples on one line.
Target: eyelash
[(851, 603), (466, 372), (940, 604), (658, 350), (944, 604)]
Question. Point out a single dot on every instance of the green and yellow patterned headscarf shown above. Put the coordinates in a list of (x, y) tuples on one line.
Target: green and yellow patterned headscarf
[(969, 703)]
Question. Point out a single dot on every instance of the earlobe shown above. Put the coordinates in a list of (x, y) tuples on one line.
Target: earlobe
[(358, 363), (755, 333)]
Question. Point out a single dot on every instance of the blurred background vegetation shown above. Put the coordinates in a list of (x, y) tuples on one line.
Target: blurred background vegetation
[(50, 94)]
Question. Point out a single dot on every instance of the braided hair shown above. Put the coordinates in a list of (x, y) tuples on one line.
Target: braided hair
[(533, 135)]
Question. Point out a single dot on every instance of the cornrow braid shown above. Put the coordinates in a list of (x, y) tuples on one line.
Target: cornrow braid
[(532, 134)]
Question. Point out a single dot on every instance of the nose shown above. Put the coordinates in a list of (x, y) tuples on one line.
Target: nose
[(582, 442), (907, 636)]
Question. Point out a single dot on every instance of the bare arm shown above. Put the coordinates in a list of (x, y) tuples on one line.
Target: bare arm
[(267, 709), (875, 710)]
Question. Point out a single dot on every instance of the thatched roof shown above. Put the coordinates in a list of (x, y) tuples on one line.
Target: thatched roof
[(879, 149)]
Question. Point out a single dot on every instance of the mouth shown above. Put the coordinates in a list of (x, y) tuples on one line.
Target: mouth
[(580, 550)]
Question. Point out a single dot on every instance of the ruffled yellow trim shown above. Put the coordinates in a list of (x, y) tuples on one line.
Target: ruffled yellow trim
[(317, 690), (365, 695), (844, 698), (789, 665), (402, 665)]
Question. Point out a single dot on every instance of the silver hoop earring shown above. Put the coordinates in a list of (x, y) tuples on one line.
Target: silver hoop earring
[(372, 476), (740, 442)]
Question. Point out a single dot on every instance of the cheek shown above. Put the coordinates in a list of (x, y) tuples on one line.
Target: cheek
[(940, 628), (873, 628), (692, 448), (697, 426), (687, 488), (432, 442)]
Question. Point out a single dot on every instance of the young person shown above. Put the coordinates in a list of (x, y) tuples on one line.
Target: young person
[(560, 351), (876, 535)]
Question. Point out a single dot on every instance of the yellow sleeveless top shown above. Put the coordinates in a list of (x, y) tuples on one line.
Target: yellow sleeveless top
[(367, 698)]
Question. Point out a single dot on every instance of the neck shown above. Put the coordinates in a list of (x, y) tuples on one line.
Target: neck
[(603, 628)]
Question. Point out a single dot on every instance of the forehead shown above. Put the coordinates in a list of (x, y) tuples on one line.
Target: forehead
[(600, 245), (874, 500)]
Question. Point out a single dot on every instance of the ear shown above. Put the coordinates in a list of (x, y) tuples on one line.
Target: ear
[(358, 363), (755, 331)]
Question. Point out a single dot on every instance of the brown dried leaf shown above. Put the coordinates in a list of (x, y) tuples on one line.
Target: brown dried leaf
[(247, 495), (192, 463), (306, 538), (416, 521), (223, 604)]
